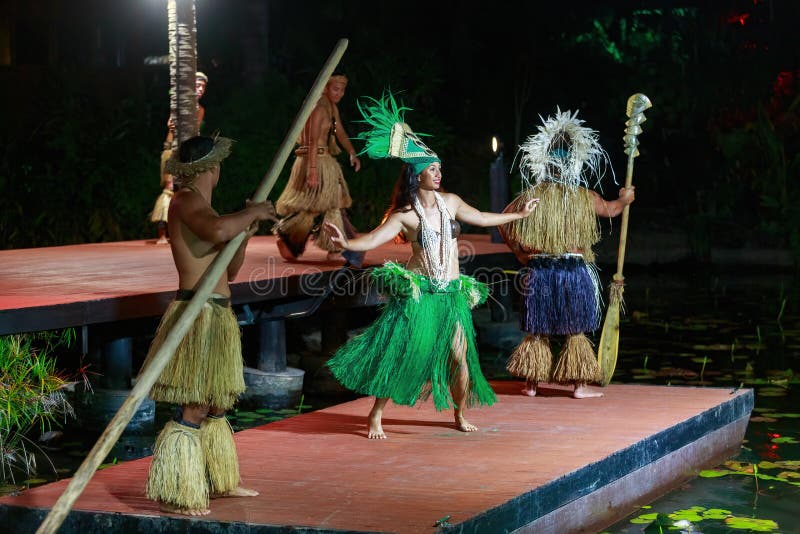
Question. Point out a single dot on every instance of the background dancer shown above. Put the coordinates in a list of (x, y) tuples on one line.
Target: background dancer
[(316, 188), (561, 295), (160, 212), (423, 343)]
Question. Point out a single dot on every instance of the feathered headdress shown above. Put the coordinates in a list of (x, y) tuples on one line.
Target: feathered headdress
[(563, 152), (389, 136)]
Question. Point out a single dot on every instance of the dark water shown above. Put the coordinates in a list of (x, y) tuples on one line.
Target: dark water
[(684, 328), (723, 329)]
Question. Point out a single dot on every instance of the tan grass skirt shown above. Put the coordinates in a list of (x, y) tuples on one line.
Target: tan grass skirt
[(207, 367), (303, 209), (161, 207), (331, 193)]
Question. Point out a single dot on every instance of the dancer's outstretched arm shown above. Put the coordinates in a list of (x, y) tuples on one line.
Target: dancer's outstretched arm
[(380, 235), (467, 214)]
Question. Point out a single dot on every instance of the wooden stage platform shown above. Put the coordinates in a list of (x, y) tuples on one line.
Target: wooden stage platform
[(77, 285), (549, 464)]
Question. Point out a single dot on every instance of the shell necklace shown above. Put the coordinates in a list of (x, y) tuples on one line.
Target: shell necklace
[(437, 247)]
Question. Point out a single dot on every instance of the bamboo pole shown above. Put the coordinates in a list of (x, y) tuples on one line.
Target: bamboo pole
[(204, 289)]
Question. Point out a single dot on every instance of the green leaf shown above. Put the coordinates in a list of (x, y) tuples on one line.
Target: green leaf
[(644, 519), (714, 473), (784, 440), (752, 524)]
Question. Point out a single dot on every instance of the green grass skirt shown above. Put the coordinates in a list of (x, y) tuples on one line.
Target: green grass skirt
[(406, 354)]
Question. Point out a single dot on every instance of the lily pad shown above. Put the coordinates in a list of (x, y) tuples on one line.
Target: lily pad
[(692, 514), (762, 419), (771, 392), (767, 465), (645, 519), (714, 473), (752, 524), (763, 409), (716, 513)]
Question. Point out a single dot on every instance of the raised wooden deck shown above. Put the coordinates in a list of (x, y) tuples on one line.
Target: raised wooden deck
[(549, 464), (57, 287)]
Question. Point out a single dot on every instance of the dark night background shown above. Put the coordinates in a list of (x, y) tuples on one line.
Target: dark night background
[(83, 117)]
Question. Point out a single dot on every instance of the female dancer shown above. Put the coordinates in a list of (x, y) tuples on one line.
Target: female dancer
[(424, 339)]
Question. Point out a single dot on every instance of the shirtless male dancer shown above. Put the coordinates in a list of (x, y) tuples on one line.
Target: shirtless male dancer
[(194, 457), (317, 192)]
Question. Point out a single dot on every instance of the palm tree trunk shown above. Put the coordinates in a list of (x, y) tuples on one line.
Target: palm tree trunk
[(182, 67)]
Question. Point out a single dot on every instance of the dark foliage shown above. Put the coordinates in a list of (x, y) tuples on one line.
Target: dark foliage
[(80, 145)]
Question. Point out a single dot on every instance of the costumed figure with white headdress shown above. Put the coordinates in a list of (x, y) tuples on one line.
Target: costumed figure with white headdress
[(561, 295), (194, 457), (423, 342), (317, 192)]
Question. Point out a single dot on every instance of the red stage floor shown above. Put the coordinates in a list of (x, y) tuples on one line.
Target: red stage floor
[(56, 287), (319, 471)]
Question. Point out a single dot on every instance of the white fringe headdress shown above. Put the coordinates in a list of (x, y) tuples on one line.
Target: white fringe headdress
[(563, 152)]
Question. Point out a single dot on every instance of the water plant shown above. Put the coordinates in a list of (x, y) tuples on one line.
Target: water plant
[(703, 368), (301, 405), (732, 467), (32, 394), (686, 521), (758, 334), (781, 310)]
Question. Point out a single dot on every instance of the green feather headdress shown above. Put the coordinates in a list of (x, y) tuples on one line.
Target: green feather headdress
[(389, 136)]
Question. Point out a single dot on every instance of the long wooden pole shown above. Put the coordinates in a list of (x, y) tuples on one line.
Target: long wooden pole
[(204, 289), (609, 337), (637, 104)]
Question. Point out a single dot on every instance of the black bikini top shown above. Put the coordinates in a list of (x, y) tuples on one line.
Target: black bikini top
[(455, 229)]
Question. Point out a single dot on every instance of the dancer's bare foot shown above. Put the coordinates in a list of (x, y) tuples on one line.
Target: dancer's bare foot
[(183, 511), (375, 430), (464, 425), (583, 392), (529, 389), (238, 491), (162, 241)]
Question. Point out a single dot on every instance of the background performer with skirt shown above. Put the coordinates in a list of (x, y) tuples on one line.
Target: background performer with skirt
[(561, 296)]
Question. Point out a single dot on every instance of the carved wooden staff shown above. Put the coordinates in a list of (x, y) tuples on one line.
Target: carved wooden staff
[(184, 322), (609, 339)]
